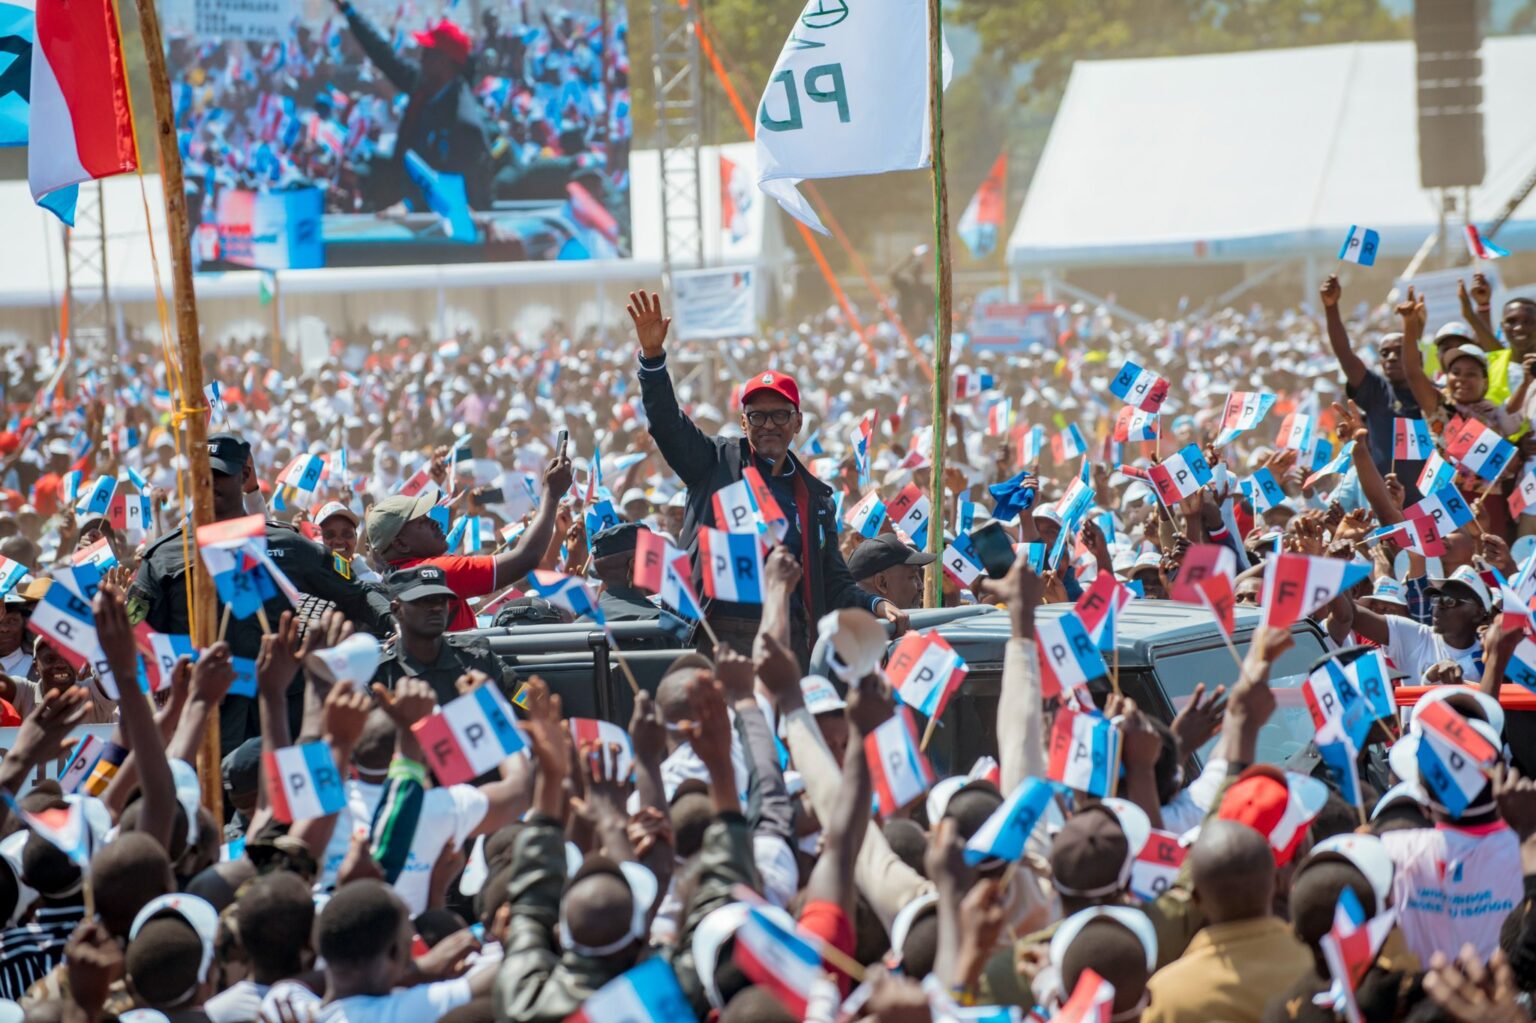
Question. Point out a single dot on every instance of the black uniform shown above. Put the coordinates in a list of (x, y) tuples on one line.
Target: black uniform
[(459, 654), (626, 604), (158, 596)]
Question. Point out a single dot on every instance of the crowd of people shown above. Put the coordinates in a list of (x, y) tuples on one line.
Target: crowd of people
[(521, 106), (763, 839)]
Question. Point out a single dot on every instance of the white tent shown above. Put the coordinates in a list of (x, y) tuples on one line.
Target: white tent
[(486, 295), (1257, 156)]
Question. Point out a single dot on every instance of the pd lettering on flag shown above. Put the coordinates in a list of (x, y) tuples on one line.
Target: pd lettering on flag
[(303, 783), (469, 736), (1295, 585), (1478, 448), (732, 566), (926, 671), (1085, 751), (1004, 834), (1180, 475), (1157, 865), (1140, 388), (901, 773)]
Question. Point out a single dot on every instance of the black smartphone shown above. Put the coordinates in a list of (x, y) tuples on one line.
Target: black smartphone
[(994, 547), (489, 495), (562, 439)]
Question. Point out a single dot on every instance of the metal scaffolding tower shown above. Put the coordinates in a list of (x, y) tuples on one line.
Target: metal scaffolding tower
[(85, 274), (678, 75)]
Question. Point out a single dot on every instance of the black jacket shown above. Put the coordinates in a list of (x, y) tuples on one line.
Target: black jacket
[(706, 464)]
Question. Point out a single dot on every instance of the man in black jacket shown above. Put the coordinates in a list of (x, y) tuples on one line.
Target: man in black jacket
[(444, 123), (770, 417)]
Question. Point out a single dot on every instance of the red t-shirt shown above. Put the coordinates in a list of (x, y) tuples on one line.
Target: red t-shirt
[(467, 575), (828, 922)]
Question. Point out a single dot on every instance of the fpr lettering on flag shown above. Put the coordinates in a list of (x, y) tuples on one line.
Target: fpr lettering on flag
[(1478, 448), (1068, 655), (1295, 585), (1360, 246), (1244, 410), (1411, 440), (900, 771), (1297, 432), (303, 783), (909, 513), (469, 736), (925, 671), (1004, 834), (732, 565), (1085, 751), (1180, 474), (1139, 388)]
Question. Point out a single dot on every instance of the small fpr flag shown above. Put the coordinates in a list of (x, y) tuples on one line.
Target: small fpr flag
[(901, 773), (867, 516), (925, 671), (469, 736), (1411, 440), (1085, 751), (1139, 388), (1295, 585), (732, 566), (1068, 655), (565, 591), (1244, 410), (1004, 834), (1480, 247), (1180, 475), (1478, 448), (982, 221), (1360, 246), (302, 782), (649, 993), (1068, 444)]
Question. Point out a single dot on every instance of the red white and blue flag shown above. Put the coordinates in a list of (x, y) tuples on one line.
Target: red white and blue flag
[(1157, 865), (1411, 440), (649, 993), (1179, 475), (981, 223), (1265, 491), (1349, 948), (1478, 448), (1522, 662), (1092, 1001), (302, 782), (925, 671), (774, 954), (1244, 410), (861, 441), (64, 827), (1085, 751), (1295, 585), (1132, 425), (1524, 494), (1339, 463), (161, 651), (11, 573), (1068, 444), (1139, 388), (961, 561), (1000, 417), (909, 513), (769, 513), (303, 473), (736, 511), (1297, 431), (1454, 760), (866, 517), (1068, 655), (1437, 472), (1445, 507), (469, 736), (900, 771), (1031, 444), (732, 566), (1099, 607), (1477, 245), (1004, 834), (567, 592)]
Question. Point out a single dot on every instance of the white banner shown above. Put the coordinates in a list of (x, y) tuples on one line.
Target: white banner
[(715, 303), (262, 21), (53, 768), (848, 95)]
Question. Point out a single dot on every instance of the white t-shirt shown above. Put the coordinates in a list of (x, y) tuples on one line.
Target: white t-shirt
[(421, 1004), (240, 1003), (448, 816), (1414, 648), (1454, 886)]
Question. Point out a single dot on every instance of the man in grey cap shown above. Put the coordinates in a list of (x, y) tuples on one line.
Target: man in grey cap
[(890, 568), (158, 594), (613, 560), (422, 602), (402, 534)]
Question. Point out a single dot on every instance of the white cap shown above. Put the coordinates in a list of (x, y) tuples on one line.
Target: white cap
[(331, 508), (1133, 920), (1468, 577), (1389, 591), (200, 914), (1367, 854), (633, 494), (819, 696)]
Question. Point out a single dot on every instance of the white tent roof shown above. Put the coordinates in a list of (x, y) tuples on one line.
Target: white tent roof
[(1258, 155), (32, 260)]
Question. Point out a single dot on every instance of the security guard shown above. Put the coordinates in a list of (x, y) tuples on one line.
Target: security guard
[(158, 594), (613, 560), (424, 649)]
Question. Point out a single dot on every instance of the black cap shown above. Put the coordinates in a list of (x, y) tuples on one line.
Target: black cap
[(241, 767), (418, 583), (883, 552), (620, 539), (227, 454)]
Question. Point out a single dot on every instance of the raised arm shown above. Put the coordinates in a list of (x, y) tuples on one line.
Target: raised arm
[(1414, 315), (402, 74), (1021, 741), (525, 555), (1338, 335), (842, 832), (686, 449), (1473, 313)]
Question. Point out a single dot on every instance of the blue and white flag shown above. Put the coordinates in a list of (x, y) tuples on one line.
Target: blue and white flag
[(565, 591), (732, 566), (1004, 834), (1360, 246)]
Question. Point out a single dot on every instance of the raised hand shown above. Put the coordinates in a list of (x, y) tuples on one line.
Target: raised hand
[(650, 326), (1330, 292), (213, 674), (278, 660), (411, 701), (1200, 719), (346, 712)]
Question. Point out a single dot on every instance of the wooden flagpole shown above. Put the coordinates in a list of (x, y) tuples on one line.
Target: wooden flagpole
[(192, 412), (943, 274)]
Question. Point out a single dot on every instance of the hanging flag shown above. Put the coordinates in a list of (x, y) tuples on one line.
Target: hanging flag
[(1360, 246), (1132, 424), (1180, 475), (1031, 443), (1068, 444), (774, 954), (849, 95), (982, 221), (1437, 472), (1266, 492), (1243, 411), (1297, 432), (1003, 835), (1295, 585), (302, 782), (1411, 440), (1139, 388), (901, 773), (925, 671), (1092, 1001), (867, 516), (1084, 751), (1480, 247), (649, 993), (79, 123), (469, 736), (732, 566), (1157, 865), (565, 591), (909, 513), (1478, 448)]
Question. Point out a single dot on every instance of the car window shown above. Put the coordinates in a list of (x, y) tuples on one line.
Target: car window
[(1289, 730)]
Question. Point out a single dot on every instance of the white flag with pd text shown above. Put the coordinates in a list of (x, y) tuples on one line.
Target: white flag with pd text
[(848, 96)]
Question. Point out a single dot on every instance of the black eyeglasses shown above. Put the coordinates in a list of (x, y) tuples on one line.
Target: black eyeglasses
[(778, 417), (1446, 598)]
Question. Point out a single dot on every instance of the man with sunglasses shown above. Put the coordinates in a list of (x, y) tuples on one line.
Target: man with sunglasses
[(1461, 606), (770, 418)]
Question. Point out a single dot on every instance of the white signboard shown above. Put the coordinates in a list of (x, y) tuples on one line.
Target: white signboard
[(257, 20), (715, 303)]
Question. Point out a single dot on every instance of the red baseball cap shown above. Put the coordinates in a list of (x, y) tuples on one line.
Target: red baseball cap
[(448, 39), (1277, 804), (775, 382)]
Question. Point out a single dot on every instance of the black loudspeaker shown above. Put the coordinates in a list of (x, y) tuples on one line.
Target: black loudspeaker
[(1448, 35)]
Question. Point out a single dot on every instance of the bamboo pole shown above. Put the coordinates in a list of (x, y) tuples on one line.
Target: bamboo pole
[(203, 607), (942, 300), (276, 302)]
